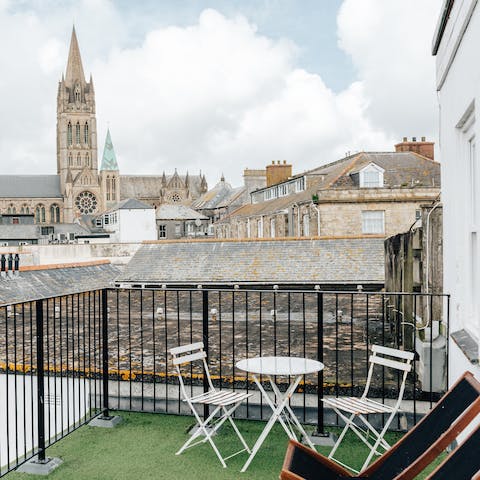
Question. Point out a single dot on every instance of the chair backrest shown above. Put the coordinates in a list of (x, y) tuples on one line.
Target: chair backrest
[(391, 358), (424, 442), (463, 461), (185, 354)]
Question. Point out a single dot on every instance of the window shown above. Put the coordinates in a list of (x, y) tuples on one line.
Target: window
[(300, 184), (85, 133), (79, 159), (178, 229), (70, 160), (11, 209), (69, 134), (114, 188), (106, 220), (47, 230), (371, 177), (418, 215), (40, 213), (306, 225), (77, 94), (272, 228), (55, 213), (87, 159), (77, 133), (25, 209), (373, 221), (98, 222), (15, 220), (260, 227), (86, 203), (283, 190), (248, 228), (162, 231), (108, 187)]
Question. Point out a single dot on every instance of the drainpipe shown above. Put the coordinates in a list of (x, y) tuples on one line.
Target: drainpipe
[(318, 218)]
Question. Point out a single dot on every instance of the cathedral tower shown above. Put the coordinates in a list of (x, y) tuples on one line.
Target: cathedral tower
[(77, 139)]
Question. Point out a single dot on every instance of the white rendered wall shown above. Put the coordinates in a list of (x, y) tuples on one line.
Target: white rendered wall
[(137, 225), (458, 81)]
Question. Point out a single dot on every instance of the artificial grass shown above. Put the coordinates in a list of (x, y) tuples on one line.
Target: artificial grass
[(143, 447)]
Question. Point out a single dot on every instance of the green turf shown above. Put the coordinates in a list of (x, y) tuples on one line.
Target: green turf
[(143, 447)]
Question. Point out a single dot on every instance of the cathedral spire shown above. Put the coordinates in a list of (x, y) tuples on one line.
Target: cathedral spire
[(109, 159), (74, 72)]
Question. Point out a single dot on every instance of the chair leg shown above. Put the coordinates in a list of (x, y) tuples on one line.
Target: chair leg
[(380, 440), (237, 431), (344, 431)]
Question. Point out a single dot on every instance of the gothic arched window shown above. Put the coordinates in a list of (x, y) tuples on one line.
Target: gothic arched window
[(114, 188), (87, 159), (79, 159), (25, 209), (85, 133), (11, 209), (40, 213), (55, 213), (77, 133), (108, 185), (70, 160), (69, 134)]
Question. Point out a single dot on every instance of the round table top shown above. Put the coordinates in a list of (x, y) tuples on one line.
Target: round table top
[(280, 365)]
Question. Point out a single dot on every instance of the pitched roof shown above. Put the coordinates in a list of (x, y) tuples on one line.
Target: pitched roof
[(109, 159), (33, 232), (30, 186), (32, 285), (177, 212), (132, 204), (221, 195), (325, 261)]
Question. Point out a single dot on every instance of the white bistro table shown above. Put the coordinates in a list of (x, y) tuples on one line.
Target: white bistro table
[(278, 366)]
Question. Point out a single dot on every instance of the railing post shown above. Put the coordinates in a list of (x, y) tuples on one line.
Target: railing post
[(105, 352), (320, 413), (40, 382), (205, 343)]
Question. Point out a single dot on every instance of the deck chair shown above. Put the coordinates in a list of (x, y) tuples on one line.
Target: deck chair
[(463, 461), (411, 454), (225, 402), (349, 409)]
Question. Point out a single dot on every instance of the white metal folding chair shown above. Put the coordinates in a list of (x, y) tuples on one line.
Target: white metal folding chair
[(224, 401), (351, 408)]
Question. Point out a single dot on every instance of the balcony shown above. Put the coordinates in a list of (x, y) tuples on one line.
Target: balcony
[(59, 371)]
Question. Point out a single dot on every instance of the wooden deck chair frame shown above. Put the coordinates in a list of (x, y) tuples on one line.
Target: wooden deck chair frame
[(351, 408), (225, 402), (452, 414)]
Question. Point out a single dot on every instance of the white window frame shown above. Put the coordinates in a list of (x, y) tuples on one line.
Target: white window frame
[(371, 168), (260, 227), (371, 225), (162, 231)]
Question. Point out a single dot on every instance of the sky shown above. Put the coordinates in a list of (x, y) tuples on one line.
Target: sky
[(220, 86)]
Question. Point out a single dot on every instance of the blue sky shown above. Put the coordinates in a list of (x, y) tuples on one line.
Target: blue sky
[(221, 85)]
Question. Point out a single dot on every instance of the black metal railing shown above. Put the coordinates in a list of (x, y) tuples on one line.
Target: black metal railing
[(54, 354)]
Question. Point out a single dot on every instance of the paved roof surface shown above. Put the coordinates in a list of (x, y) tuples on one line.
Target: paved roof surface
[(132, 204), (32, 285), (30, 186), (177, 212), (326, 261)]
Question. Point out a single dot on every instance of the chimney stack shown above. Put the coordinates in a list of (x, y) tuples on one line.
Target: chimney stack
[(424, 148), (278, 172)]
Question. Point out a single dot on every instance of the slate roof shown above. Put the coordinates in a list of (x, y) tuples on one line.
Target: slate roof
[(401, 170), (177, 212), (30, 186), (323, 261), (32, 285), (220, 196), (132, 204)]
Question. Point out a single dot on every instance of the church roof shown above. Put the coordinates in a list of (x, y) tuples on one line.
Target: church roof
[(109, 159), (221, 195), (74, 65), (30, 186)]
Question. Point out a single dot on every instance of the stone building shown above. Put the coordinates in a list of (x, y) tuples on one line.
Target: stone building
[(78, 188), (368, 193)]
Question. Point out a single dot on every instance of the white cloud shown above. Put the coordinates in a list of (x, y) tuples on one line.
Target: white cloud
[(215, 95)]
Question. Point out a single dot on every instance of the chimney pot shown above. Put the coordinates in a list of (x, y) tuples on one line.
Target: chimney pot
[(273, 162), (414, 139), (423, 139), (284, 162), (278, 162), (405, 139)]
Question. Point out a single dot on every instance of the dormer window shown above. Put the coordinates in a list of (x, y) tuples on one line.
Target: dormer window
[(371, 176)]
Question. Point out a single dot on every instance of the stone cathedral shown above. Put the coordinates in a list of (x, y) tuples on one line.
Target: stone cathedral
[(79, 188)]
